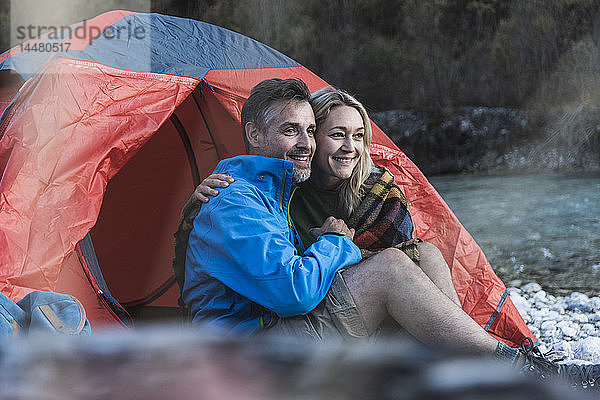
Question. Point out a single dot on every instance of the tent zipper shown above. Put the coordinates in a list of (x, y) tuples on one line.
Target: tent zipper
[(229, 94)]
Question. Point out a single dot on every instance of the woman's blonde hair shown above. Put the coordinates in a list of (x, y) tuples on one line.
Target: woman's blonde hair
[(351, 190)]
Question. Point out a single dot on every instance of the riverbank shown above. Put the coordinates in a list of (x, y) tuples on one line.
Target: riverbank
[(568, 325), (468, 139)]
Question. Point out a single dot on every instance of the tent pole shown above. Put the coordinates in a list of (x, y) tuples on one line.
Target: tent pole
[(212, 138), (188, 148)]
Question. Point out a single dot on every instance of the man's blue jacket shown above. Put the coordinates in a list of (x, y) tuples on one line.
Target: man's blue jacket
[(244, 257)]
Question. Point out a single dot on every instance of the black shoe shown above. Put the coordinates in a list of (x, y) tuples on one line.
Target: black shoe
[(584, 376), (537, 364)]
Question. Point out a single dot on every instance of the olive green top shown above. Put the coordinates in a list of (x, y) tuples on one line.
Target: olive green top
[(310, 207)]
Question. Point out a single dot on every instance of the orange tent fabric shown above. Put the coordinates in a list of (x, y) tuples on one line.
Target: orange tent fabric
[(104, 143)]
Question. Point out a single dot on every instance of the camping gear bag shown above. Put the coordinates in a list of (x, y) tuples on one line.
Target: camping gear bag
[(43, 312)]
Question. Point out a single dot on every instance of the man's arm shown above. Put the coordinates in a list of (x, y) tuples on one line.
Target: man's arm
[(237, 240)]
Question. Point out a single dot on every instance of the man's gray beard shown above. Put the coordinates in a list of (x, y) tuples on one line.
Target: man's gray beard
[(300, 174)]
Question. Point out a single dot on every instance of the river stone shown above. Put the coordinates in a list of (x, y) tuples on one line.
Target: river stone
[(569, 331), (540, 299), (556, 336), (563, 324), (552, 316), (595, 317), (562, 349), (559, 307), (579, 301), (548, 325), (588, 349), (513, 290), (531, 288), (567, 328), (543, 312), (559, 320), (588, 328), (580, 318), (595, 303), (520, 302), (536, 317)]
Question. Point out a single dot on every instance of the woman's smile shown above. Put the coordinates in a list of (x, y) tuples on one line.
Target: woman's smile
[(344, 161)]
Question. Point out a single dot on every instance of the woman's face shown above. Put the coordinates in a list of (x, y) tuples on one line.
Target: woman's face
[(340, 142)]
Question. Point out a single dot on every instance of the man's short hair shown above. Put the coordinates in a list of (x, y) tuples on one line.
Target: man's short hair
[(258, 108)]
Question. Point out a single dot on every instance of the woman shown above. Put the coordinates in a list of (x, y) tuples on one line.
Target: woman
[(345, 184)]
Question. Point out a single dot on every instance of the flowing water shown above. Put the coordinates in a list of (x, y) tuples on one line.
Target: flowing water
[(543, 228)]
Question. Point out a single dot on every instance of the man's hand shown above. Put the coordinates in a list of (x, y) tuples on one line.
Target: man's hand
[(333, 225), (207, 186)]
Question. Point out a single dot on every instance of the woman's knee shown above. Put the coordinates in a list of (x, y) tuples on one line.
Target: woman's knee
[(427, 249), (393, 263), (431, 258), (393, 256)]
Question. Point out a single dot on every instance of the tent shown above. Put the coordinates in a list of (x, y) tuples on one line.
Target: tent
[(103, 140)]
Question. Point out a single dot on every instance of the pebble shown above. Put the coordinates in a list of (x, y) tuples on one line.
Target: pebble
[(580, 318), (569, 325), (522, 304), (594, 317), (587, 349), (595, 303), (579, 301), (531, 288)]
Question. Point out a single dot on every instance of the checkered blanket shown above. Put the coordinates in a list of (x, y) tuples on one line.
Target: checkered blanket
[(382, 219)]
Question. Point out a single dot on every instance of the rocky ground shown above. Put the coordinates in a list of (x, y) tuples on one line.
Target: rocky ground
[(568, 325)]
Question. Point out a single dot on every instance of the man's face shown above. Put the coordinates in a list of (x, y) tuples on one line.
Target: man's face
[(290, 135)]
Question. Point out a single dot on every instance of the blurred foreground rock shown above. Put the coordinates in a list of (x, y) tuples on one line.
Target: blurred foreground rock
[(171, 363)]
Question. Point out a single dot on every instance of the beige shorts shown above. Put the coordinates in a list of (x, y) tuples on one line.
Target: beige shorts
[(336, 316)]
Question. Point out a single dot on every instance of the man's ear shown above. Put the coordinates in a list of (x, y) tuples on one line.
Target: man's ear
[(253, 134)]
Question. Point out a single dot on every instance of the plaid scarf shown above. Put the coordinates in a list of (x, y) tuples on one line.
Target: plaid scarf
[(382, 219)]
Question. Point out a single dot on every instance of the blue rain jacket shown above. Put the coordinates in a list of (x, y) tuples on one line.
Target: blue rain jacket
[(245, 260)]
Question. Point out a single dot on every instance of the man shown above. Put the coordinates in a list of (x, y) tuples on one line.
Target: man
[(246, 271), (243, 271)]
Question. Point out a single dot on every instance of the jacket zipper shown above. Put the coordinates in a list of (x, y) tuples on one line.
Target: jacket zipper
[(282, 190), (288, 208)]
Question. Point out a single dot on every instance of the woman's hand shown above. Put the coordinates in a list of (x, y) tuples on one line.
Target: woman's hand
[(333, 225), (207, 186)]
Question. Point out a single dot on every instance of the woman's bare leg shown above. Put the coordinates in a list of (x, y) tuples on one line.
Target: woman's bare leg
[(390, 284), (433, 264)]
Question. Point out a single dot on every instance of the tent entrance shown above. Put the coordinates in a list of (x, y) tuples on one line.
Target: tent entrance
[(133, 237)]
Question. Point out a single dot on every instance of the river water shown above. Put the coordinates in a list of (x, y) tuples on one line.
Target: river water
[(543, 227)]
